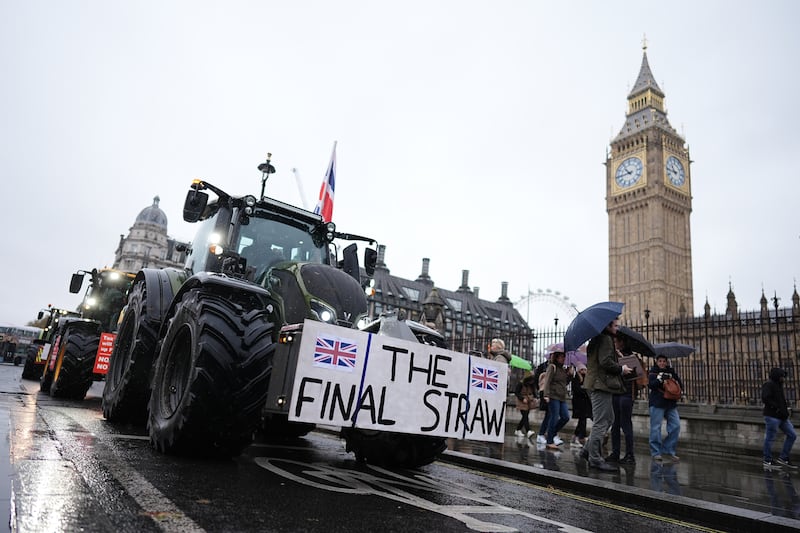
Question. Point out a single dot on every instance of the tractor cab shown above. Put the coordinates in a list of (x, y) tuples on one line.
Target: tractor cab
[(105, 296)]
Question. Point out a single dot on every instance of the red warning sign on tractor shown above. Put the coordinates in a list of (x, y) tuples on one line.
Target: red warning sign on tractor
[(103, 358)]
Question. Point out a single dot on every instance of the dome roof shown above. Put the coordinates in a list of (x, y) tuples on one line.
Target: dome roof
[(153, 214)]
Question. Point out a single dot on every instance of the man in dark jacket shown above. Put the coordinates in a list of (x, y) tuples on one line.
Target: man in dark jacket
[(603, 380), (776, 416), (661, 408)]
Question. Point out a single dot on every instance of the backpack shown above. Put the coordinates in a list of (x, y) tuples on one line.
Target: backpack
[(672, 389), (538, 374)]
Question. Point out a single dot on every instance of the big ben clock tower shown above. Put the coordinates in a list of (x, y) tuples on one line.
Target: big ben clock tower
[(648, 199)]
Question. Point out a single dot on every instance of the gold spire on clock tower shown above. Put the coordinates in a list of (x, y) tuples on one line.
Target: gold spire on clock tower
[(648, 200)]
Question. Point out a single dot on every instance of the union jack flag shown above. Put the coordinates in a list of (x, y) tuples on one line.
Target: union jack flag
[(339, 353), (484, 378), (325, 203)]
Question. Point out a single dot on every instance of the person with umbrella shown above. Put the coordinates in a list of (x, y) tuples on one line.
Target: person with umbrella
[(581, 405), (623, 411), (603, 380), (662, 408), (554, 392)]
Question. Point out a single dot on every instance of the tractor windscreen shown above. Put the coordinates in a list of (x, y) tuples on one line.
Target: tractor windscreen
[(105, 299), (265, 242)]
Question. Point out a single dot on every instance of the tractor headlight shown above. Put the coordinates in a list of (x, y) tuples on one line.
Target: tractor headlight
[(249, 205), (323, 312)]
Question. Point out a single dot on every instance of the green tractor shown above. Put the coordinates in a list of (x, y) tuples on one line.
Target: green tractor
[(198, 350), (38, 349), (81, 347)]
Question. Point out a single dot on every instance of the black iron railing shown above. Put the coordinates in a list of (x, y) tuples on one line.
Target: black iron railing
[(732, 358)]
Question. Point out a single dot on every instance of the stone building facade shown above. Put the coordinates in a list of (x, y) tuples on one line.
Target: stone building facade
[(467, 321), (147, 244)]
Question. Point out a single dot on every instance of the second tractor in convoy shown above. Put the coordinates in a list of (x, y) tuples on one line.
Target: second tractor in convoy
[(81, 345)]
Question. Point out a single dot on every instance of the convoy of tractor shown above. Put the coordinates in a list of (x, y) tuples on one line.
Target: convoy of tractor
[(200, 354)]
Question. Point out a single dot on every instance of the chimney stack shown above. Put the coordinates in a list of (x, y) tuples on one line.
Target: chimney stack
[(424, 277), (503, 293), (464, 282)]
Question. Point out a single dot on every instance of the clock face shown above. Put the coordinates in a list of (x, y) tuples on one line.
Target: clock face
[(629, 172), (675, 172)]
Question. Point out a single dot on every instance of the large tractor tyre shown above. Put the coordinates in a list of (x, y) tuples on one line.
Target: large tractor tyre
[(211, 377), (392, 450), (31, 370), (73, 373), (127, 388), (277, 427)]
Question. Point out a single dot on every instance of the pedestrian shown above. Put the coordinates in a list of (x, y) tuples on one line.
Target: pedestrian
[(526, 401), (776, 416), (497, 351), (538, 376), (555, 395), (623, 413), (662, 408), (603, 379), (581, 405)]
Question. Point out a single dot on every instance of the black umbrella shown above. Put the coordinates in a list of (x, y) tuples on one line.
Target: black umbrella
[(636, 341), (673, 349)]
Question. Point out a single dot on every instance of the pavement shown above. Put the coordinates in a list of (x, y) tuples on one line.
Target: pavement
[(731, 493)]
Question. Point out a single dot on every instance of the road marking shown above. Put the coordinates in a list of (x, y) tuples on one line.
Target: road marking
[(153, 502), (586, 499), (396, 487)]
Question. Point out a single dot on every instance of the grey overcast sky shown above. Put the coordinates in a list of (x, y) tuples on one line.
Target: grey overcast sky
[(471, 133)]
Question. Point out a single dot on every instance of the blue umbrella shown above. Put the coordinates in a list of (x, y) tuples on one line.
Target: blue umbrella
[(590, 322)]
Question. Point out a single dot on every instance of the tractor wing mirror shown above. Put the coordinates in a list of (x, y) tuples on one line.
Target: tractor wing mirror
[(194, 205), (350, 261), (75, 283), (370, 259)]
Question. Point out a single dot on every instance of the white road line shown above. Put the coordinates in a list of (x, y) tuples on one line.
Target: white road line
[(153, 502)]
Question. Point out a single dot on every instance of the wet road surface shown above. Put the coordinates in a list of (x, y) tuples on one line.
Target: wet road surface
[(70, 471)]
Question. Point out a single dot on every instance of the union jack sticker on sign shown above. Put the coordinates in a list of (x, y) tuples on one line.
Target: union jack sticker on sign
[(335, 352), (484, 378)]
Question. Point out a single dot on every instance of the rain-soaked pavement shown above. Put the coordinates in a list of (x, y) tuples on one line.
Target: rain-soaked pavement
[(736, 481)]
